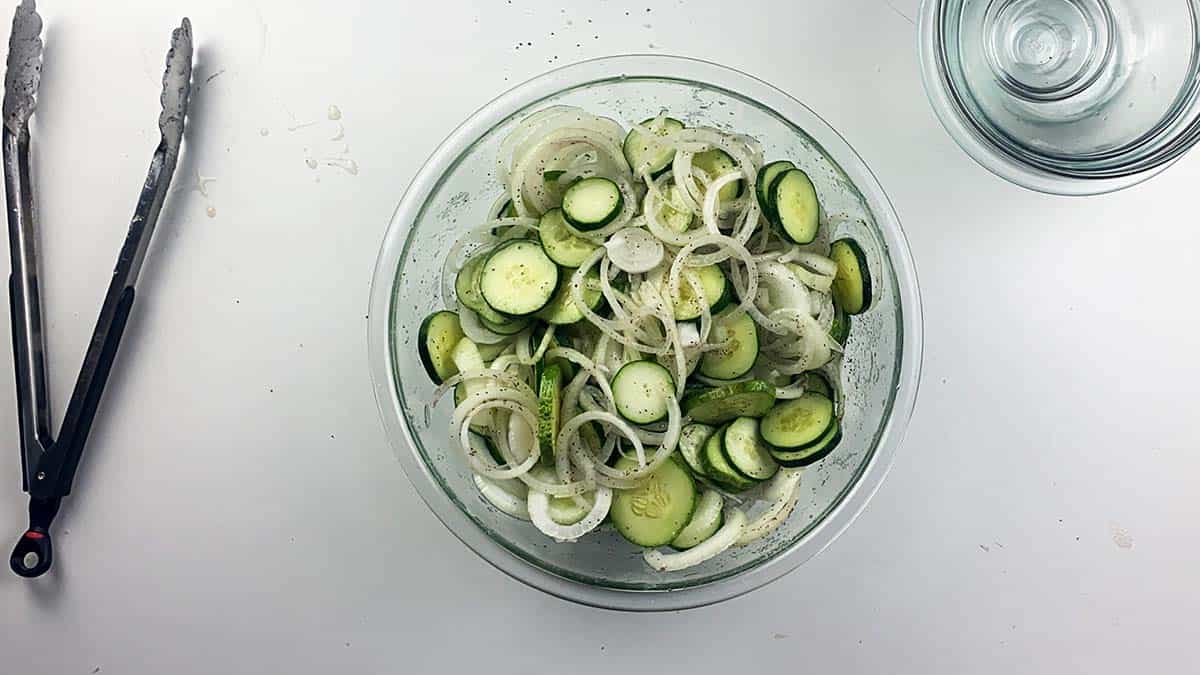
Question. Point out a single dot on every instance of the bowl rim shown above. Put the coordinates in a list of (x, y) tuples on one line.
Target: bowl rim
[(982, 151), (909, 325)]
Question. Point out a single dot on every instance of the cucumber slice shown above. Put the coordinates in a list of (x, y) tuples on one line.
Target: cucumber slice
[(506, 210), (816, 383), (562, 245), (717, 466), (506, 325), (566, 511), (673, 213), (490, 352), (641, 389), (717, 163), (518, 278), (798, 423), (737, 357), (436, 338), (563, 510), (466, 288), (654, 513), (691, 445), (716, 289), (646, 153), (797, 210), (482, 423), (762, 185), (562, 309), (707, 519), (840, 330), (813, 453), (745, 452), (466, 358), (852, 285), (549, 406), (592, 203), (482, 441), (753, 398)]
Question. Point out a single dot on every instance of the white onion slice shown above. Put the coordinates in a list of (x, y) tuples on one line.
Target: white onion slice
[(783, 493), (501, 498), (689, 336), (779, 288), (722, 539), (539, 513), (474, 329), (634, 250)]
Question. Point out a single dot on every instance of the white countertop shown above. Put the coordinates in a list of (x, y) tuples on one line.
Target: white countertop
[(240, 511)]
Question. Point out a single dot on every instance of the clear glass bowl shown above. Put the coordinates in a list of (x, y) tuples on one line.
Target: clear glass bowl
[(453, 192), (1071, 97)]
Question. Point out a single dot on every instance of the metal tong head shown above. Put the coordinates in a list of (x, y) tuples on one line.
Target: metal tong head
[(176, 87), (49, 464), (24, 67)]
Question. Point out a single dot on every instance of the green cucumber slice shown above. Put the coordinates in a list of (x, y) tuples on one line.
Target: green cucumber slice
[(672, 211), (549, 407), (852, 284), (717, 466), (646, 153), (706, 520), (762, 185), (466, 288), (691, 444), (753, 398), (840, 330), (562, 309), (562, 245), (815, 382), (715, 286), (797, 210), (798, 423), (641, 389), (744, 451), (717, 163), (518, 278), (740, 335), (654, 513), (813, 453), (592, 203), (436, 338)]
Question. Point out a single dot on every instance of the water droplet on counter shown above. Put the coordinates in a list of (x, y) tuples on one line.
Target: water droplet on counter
[(212, 212), (312, 163), (264, 132), (335, 113)]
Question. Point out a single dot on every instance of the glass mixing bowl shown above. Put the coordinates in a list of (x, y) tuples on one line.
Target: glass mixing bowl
[(453, 192), (1072, 97)]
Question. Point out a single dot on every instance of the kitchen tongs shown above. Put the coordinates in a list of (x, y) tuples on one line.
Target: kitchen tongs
[(48, 464)]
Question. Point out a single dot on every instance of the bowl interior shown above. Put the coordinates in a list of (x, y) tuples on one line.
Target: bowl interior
[(461, 189)]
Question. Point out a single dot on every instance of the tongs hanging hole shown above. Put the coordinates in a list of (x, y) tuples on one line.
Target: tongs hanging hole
[(32, 555)]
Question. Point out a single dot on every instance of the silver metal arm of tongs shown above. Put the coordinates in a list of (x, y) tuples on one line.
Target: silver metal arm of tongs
[(49, 464)]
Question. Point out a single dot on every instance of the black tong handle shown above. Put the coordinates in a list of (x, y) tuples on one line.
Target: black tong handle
[(34, 553)]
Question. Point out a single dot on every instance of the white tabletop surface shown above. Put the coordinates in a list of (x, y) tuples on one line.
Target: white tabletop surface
[(240, 511)]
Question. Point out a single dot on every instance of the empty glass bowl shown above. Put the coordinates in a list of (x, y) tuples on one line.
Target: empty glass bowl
[(1065, 96), (453, 192)]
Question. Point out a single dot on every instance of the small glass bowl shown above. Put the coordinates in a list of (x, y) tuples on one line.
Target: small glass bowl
[(453, 192), (1071, 97)]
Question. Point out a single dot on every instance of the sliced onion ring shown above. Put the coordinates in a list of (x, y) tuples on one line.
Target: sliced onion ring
[(722, 539)]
